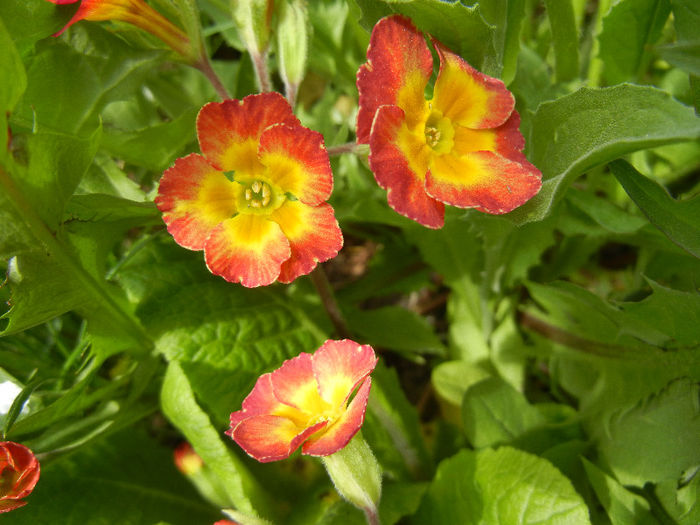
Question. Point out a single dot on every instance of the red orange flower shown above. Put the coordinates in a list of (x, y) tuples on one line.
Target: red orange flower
[(306, 401), (462, 147), (19, 472), (135, 12), (255, 200)]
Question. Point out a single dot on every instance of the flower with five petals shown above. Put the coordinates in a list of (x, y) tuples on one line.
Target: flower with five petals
[(254, 201), (307, 402), (19, 473), (462, 147)]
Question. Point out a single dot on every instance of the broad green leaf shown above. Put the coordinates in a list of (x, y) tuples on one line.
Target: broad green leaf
[(685, 55), (494, 413), (128, 478), (667, 423), (629, 30), (223, 335), (451, 379), (181, 408), (564, 38), (71, 79), (506, 16), (461, 28), (395, 328), (500, 486), (29, 21), (679, 220), (623, 507), (590, 127)]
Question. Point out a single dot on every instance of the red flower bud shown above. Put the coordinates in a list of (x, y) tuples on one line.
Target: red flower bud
[(19, 472)]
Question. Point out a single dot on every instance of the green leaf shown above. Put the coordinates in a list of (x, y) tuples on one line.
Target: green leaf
[(13, 84), (180, 407), (395, 328), (127, 479), (506, 16), (679, 220), (604, 213), (623, 507), (461, 28), (682, 503), (667, 423), (451, 379), (630, 28), (685, 55), (590, 127), (500, 486), (564, 38)]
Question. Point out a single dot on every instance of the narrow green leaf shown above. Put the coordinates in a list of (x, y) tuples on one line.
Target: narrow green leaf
[(685, 55), (506, 16), (593, 126), (181, 408), (501, 486), (686, 19), (564, 38), (679, 220), (629, 30)]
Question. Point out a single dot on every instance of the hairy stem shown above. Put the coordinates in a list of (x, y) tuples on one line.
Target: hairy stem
[(325, 292)]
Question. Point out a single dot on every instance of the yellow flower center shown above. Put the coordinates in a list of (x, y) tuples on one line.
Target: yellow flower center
[(439, 133), (259, 196)]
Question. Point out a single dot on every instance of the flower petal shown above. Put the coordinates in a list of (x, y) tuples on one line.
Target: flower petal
[(248, 249), (11, 504), (466, 96), (483, 180), (339, 366), (194, 198), (229, 131), (270, 438), (313, 234), (295, 385), (399, 161), (297, 161), (344, 429), (399, 65)]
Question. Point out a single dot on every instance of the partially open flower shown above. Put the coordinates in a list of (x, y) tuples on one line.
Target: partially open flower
[(19, 473), (135, 12), (462, 147), (307, 402), (255, 200)]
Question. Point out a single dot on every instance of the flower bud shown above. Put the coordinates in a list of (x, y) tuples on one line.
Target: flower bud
[(253, 19), (292, 45), (19, 472)]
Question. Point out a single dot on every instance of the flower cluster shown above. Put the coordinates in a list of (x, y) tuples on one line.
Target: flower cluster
[(19, 473), (254, 201), (462, 147), (307, 402)]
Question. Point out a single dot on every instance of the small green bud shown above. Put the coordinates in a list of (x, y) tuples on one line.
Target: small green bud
[(253, 19), (292, 44)]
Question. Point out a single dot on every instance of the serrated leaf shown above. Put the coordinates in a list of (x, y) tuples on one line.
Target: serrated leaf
[(593, 126), (667, 423), (622, 506), (679, 220), (630, 28), (127, 479), (501, 486), (461, 28)]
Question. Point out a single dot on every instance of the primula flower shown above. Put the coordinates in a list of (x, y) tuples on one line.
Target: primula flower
[(255, 200), (306, 401), (135, 12), (462, 147), (19, 472)]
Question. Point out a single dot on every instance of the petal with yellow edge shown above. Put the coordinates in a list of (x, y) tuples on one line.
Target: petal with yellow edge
[(339, 366), (483, 180), (294, 384), (248, 249), (229, 131), (313, 234), (468, 97), (297, 162), (343, 429), (194, 198), (399, 161), (399, 65), (271, 438)]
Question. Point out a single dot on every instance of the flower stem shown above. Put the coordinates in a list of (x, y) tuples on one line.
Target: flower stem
[(204, 66), (325, 292), (262, 74), (348, 147)]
